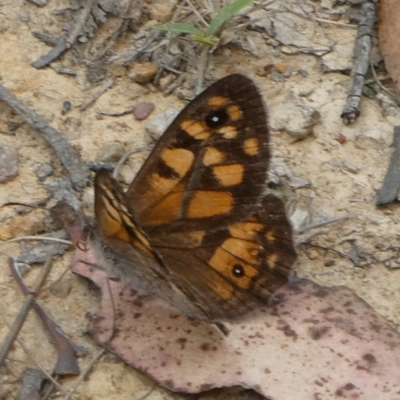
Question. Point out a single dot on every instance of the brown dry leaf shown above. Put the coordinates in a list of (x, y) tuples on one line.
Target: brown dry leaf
[(389, 37), (314, 342)]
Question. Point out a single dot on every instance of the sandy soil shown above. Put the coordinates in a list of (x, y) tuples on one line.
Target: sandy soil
[(343, 177)]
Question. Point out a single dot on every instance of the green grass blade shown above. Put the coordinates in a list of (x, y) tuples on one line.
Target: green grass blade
[(226, 13), (179, 28), (212, 41)]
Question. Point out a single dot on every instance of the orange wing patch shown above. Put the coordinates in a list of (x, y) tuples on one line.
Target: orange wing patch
[(243, 250), (196, 129), (234, 112), (272, 259), (245, 230), (228, 132), (207, 203), (229, 175), (217, 101), (270, 236), (251, 146), (180, 160), (213, 156), (167, 210)]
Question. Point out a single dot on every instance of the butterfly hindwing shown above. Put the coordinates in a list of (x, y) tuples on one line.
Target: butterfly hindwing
[(234, 269)]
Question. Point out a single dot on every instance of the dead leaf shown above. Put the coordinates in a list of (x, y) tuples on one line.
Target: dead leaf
[(389, 37), (313, 342)]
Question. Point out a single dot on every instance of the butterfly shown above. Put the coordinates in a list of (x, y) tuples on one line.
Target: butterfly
[(194, 226)]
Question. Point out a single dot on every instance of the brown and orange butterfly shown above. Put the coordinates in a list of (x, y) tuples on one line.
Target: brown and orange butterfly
[(194, 226)]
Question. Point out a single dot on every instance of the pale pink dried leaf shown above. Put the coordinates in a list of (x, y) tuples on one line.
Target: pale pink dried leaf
[(389, 37), (313, 343)]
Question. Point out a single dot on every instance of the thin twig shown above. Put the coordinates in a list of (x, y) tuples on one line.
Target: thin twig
[(323, 223), (203, 63), (391, 184), (27, 352), (23, 313), (116, 113), (338, 24), (178, 82), (122, 160), (131, 55), (104, 87), (47, 238), (120, 27), (60, 48), (80, 23), (362, 50), (68, 156), (379, 83), (66, 363), (198, 15)]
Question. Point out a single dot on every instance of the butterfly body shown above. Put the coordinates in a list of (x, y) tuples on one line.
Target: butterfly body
[(194, 227)]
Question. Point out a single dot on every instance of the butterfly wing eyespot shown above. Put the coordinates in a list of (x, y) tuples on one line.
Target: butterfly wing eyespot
[(238, 270), (195, 209), (217, 118)]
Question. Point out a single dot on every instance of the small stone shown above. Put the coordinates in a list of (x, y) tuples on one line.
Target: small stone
[(162, 11), (303, 73), (143, 73), (143, 110), (8, 163), (24, 16), (66, 107), (261, 72), (160, 122), (293, 114), (111, 152), (299, 218), (280, 67), (44, 170), (349, 166), (40, 3), (277, 77)]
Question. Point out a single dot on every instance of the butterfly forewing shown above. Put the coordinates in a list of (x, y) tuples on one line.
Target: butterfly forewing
[(210, 165)]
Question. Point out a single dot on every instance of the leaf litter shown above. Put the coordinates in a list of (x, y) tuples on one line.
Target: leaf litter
[(311, 341)]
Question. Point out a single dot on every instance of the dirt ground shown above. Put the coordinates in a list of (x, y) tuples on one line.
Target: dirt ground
[(335, 171)]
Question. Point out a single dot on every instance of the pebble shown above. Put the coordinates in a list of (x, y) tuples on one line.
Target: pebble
[(24, 16), (143, 110), (8, 163), (66, 107), (160, 122), (293, 114), (44, 170), (39, 3), (162, 11), (143, 73)]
